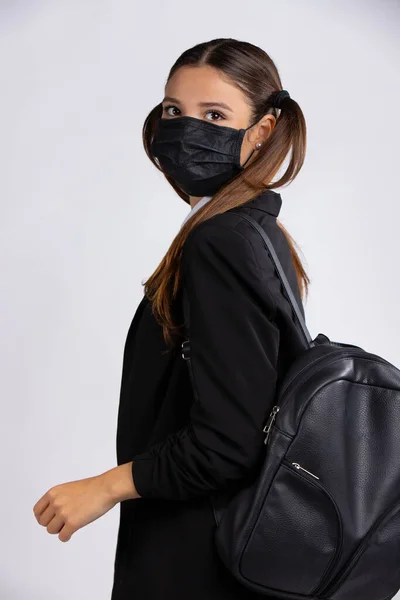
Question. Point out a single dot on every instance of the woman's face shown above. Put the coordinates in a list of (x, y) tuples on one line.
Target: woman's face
[(201, 92)]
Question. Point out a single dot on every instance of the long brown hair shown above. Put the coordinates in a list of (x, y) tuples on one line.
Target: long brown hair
[(255, 74)]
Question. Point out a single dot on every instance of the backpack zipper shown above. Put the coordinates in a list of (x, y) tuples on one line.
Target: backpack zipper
[(268, 426), (297, 466), (275, 409)]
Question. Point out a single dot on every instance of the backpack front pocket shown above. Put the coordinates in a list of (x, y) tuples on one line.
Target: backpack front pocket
[(297, 538), (373, 570)]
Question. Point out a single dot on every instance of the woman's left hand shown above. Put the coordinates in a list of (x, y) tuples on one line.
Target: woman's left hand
[(67, 507)]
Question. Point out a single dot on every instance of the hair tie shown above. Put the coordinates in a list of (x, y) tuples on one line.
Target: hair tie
[(280, 96)]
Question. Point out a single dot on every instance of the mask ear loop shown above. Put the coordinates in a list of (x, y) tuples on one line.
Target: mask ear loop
[(247, 159), (251, 153)]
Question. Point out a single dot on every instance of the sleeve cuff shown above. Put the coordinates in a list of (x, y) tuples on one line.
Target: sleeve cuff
[(142, 468)]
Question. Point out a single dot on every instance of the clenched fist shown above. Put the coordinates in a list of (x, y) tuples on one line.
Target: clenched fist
[(67, 507)]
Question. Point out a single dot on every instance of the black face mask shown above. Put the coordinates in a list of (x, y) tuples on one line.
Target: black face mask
[(199, 156)]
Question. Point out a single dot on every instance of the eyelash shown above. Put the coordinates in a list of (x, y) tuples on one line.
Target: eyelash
[(215, 112)]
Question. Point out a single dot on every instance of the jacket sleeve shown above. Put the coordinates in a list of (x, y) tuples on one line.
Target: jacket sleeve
[(233, 348)]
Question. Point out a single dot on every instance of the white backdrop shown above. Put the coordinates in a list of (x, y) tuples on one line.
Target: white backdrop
[(85, 218)]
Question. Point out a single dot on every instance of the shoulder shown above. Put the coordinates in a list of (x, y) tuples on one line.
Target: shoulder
[(230, 237), (222, 255)]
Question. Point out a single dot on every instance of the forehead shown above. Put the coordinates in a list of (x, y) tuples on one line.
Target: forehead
[(194, 85)]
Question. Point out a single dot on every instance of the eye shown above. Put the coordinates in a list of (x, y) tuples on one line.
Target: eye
[(168, 111), (215, 113)]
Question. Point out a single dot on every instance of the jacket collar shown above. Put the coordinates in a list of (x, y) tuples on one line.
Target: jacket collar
[(195, 208), (268, 201)]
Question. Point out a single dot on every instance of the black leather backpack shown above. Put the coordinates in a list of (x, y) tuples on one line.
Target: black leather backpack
[(322, 519)]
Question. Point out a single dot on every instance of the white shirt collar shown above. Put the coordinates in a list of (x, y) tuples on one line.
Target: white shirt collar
[(196, 207)]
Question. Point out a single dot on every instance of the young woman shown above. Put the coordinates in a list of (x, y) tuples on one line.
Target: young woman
[(190, 432)]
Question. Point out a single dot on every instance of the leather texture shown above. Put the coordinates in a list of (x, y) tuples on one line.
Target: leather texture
[(322, 518)]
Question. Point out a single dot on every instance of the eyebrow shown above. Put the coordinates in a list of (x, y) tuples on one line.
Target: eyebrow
[(202, 104)]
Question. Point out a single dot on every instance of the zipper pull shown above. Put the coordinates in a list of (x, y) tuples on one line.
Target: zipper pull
[(297, 466), (271, 419)]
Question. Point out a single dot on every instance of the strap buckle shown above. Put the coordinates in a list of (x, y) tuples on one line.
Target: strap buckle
[(185, 346)]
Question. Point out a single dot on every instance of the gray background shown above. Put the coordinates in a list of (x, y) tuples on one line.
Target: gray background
[(85, 218)]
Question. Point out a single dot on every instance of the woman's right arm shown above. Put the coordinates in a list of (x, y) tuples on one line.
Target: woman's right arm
[(234, 347)]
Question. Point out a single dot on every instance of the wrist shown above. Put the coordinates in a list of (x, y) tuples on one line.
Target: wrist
[(120, 483)]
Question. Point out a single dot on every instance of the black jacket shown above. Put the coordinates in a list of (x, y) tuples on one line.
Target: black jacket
[(187, 443)]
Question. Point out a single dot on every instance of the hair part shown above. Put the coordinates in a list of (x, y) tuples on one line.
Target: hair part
[(252, 70)]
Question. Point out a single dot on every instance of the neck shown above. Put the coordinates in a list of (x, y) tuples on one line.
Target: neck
[(194, 200)]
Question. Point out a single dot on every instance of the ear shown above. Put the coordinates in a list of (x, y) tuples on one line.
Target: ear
[(265, 128)]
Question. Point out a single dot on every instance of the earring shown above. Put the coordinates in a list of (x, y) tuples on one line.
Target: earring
[(259, 145)]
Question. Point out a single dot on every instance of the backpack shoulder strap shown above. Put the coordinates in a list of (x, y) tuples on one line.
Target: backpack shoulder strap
[(281, 274)]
